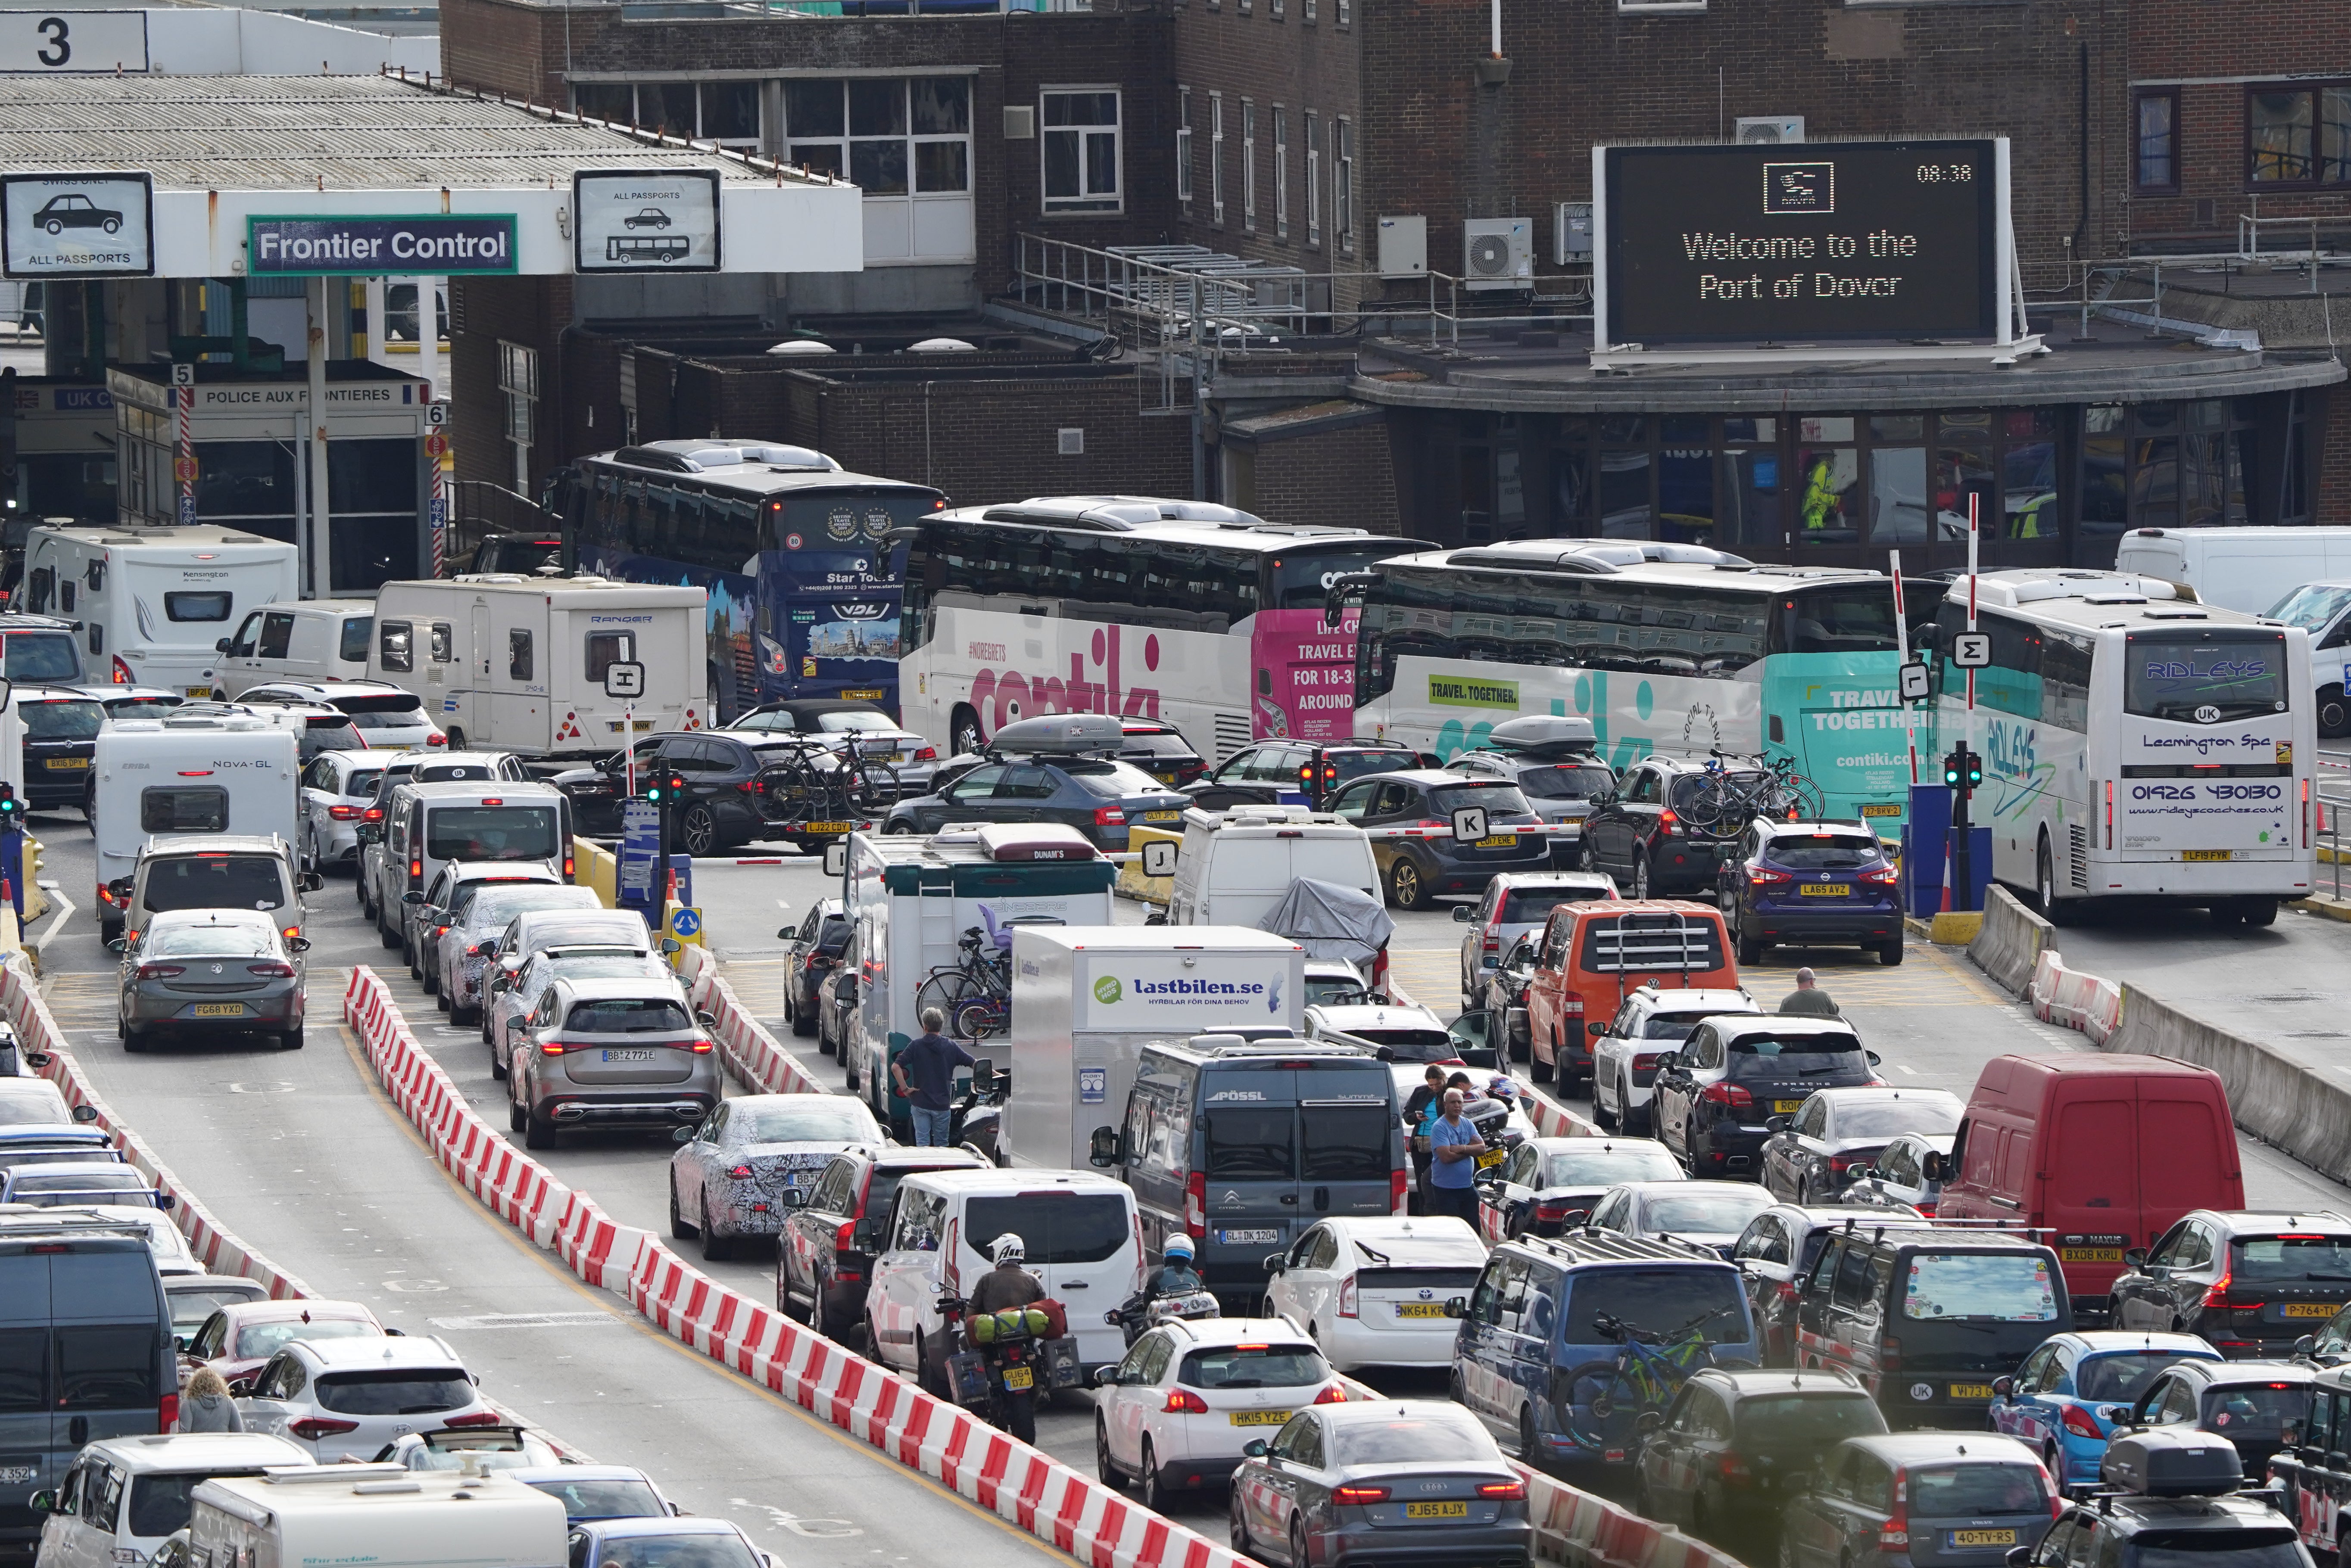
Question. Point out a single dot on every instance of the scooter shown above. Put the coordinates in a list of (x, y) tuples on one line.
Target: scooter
[(976, 1115)]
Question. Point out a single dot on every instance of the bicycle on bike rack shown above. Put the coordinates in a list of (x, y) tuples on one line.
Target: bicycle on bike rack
[(975, 993), (1735, 790), (814, 787), (1605, 1399)]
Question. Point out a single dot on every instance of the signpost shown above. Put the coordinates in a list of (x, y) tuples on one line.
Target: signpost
[(645, 220), (184, 465), (68, 225), (447, 243), (436, 448), (640, 853), (1468, 823)]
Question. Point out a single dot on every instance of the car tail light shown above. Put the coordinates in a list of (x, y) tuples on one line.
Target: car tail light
[(161, 970), (1841, 1165), (1571, 1007), (1788, 1291), (310, 1428), (167, 1413), (1884, 877), (344, 813), (1196, 1204), (844, 1236), (1646, 1061), (1896, 1532), (1764, 877), (1356, 1496), (1554, 1212), (927, 754), (290, 932), (2081, 1423), (436, 739), (701, 1047), (1184, 1402), (1332, 1394), (440, 930), (1731, 1096), (1889, 1355), (105, 894), (1670, 822), (271, 971), (1493, 940), (1733, 1469), (1347, 1304), (1109, 816), (739, 1172), (373, 814), (568, 867), (417, 871), (553, 1048), (493, 800), (474, 1419), (1399, 1192), (2218, 1296), (1504, 1492), (122, 676)]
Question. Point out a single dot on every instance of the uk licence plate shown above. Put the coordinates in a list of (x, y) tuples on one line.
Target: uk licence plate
[(2308, 1309), (1499, 841), (1420, 1309), (862, 694), (68, 762), (1436, 1511), (2089, 1254), (643, 726), (19, 1475), (1163, 816), (1983, 1538), (1827, 890), (630, 1054), (199, 692), (1970, 1390), (1260, 1418), (2204, 854), (1882, 808), (1248, 1237), (1018, 1377), (827, 827), (1492, 1156), (217, 1010), (1786, 1107)]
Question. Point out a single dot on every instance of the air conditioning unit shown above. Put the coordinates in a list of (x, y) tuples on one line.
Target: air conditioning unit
[(1498, 252), (1768, 130), (1571, 231)]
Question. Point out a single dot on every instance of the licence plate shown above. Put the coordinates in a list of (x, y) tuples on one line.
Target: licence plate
[(1260, 1418), (1499, 841), (1827, 890), (1970, 1390), (1882, 808), (1492, 1156), (2089, 1254), (827, 827), (2204, 854), (1420, 1309), (19, 1475), (643, 726), (217, 1010), (1786, 1107), (1436, 1511), (199, 692), (1983, 1538), (631, 1054), (2308, 1309), (862, 694), (1248, 1237), (68, 762), (1018, 1377), (1163, 816)]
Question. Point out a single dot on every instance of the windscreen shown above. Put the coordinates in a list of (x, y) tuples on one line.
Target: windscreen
[(1496, 799), (24, 1184), (260, 1341), (1344, 765), (836, 519), (1566, 781), (1054, 1227), (400, 1393), (1671, 1025), (677, 1552), (1251, 1145), (1979, 1287), (628, 931), (491, 833), (62, 720), (628, 1015), (380, 702), (361, 782), (357, 629), (1413, 1044), (1824, 852), (1663, 1300), (826, 1118), (1527, 905), (2122, 1378), (1253, 1366), (1156, 743), (615, 1498), (1334, 990), (1436, 1437), (1891, 1118), (215, 882), (1778, 1055), (2256, 1410), (1850, 619), (1701, 1211), (2312, 607), (1607, 1167), (491, 910), (2290, 1260), (191, 1307), (2190, 678), (1300, 578), (39, 1104), (40, 658), (239, 940), (1110, 779), (2216, 1549), (1953, 1491), (1809, 1420), (852, 721)]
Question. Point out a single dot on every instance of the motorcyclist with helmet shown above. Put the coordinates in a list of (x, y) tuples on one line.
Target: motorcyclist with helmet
[(1175, 1276), (1008, 1285), (1166, 1290)]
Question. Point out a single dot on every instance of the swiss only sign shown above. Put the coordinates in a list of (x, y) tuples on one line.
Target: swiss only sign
[(1791, 245), (442, 244), (78, 225)]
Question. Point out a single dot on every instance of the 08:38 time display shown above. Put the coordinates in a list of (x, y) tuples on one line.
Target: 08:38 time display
[(1946, 174)]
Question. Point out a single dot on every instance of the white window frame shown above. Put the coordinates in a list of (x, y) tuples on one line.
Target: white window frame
[(1248, 166), (1342, 181), (1184, 148), (1091, 203), (1306, 10), (1346, 13), (1313, 178), (914, 139), (1216, 159), (1280, 172)]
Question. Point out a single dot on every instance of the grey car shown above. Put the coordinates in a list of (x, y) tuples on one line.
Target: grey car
[(1381, 1482), (473, 935), (432, 911), (338, 787), (198, 972), (200, 871), (610, 1053), (1102, 797), (514, 997), (1561, 789), (1963, 1499), (76, 1183), (1517, 904), (754, 1159)]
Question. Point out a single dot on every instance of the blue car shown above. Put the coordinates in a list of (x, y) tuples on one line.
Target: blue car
[(2066, 1397), (685, 1542)]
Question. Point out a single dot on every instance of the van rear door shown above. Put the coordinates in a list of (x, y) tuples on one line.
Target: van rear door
[(1350, 1142), (1244, 1162), (29, 1459), (2091, 1200)]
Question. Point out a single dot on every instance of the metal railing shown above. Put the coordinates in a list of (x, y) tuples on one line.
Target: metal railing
[(2331, 808)]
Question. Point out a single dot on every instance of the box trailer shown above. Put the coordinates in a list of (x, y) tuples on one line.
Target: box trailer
[(520, 664), (239, 775), (156, 604), (1087, 1001), (375, 1516)]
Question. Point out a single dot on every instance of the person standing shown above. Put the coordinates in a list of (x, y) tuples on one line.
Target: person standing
[(1808, 1000), (1455, 1145), (925, 1072), (1415, 1113)]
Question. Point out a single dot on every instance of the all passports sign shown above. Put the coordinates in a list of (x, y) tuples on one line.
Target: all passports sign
[(1789, 245)]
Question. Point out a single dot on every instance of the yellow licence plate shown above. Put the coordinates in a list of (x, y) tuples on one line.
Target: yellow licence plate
[(827, 828), (1970, 1390), (199, 692), (1492, 1156), (1162, 815), (2308, 1309), (1983, 1538), (70, 762), (1499, 841), (2089, 1254), (1018, 1377), (862, 694), (641, 726), (1786, 1107), (1420, 1309), (1436, 1511), (2204, 854), (1883, 809), (217, 1010), (1260, 1417), (1826, 891)]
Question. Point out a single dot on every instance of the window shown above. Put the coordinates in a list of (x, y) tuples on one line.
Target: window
[(1081, 151), (396, 645), (445, 642), (606, 649), (278, 634), (1248, 164), (2282, 134), (1314, 180), (1184, 148), (1306, 10), (727, 112), (2157, 168), (519, 653), (184, 809), (1216, 162), (887, 134), (354, 643), (1280, 172), (1342, 181)]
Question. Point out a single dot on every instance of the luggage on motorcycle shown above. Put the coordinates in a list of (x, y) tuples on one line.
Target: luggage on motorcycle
[(1057, 1319), (1012, 1323), (1059, 1355), (967, 1378)]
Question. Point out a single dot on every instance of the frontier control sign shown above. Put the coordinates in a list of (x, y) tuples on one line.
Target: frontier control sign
[(437, 243), (1805, 242)]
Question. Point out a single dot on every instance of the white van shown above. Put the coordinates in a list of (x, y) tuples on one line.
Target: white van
[(238, 775), (518, 664), (386, 1516), (427, 825), (124, 1495), (316, 639), (2248, 569), (154, 603), (1234, 867), (1078, 1227)]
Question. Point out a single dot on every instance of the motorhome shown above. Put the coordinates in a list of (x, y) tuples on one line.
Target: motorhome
[(154, 603), (382, 1515), (237, 774)]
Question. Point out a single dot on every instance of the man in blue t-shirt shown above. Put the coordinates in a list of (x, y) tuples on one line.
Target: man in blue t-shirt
[(925, 1074), (1454, 1144)]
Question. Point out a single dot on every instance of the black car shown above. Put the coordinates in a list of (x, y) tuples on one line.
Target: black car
[(1294, 773), (1810, 883), (2253, 1283), (1101, 796), (1561, 789), (1720, 1460), (824, 1253), (2173, 1506), (1640, 835), (1505, 996), (1829, 1141), (527, 554), (811, 950), (60, 738), (2252, 1404), (1159, 749), (738, 787), (1409, 816), (837, 722), (1716, 1095)]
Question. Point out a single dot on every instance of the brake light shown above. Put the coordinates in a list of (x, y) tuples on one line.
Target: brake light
[(1884, 877), (344, 813), (1553, 1212), (1493, 940), (1670, 822), (417, 871), (493, 800), (1332, 1394), (2218, 1295), (1347, 1304), (290, 932), (436, 739), (1731, 1096), (122, 676), (739, 1172), (701, 1047), (310, 1428), (195, 772), (553, 1048), (161, 970), (105, 894), (1184, 1402), (271, 971), (474, 1419), (439, 930), (2081, 1423), (1109, 816), (1506, 1491), (844, 1236), (1889, 1355), (1356, 1496), (1764, 877), (1399, 1193), (373, 814), (927, 754), (1733, 1469), (568, 866), (1895, 1531), (1646, 1061), (1196, 1204)]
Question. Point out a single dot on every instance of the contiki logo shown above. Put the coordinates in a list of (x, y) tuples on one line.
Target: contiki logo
[(1004, 696)]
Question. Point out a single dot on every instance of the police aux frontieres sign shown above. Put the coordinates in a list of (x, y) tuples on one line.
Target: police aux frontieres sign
[(1188, 991)]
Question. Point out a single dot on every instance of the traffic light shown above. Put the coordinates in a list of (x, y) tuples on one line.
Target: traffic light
[(1962, 769), (12, 810), (1952, 767), (1974, 769), (664, 788)]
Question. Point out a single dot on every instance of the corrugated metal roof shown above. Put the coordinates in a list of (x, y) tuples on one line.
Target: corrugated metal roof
[(227, 133)]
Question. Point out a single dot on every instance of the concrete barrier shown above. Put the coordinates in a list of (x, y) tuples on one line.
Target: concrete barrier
[(1131, 882), (598, 869), (2009, 942)]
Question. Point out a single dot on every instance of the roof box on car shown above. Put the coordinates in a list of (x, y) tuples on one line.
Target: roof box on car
[(1034, 841), (1065, 734), (2164, 1461), (1542, 735)]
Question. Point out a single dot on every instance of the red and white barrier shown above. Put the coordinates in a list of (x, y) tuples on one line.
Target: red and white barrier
[(753, 1054), (2075, 998), (1552, 1119)]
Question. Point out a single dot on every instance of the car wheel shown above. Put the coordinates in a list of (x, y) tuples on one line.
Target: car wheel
[(133, 1040), (289, 1040), (1530, 1449), (517, 1119), (498, 1068), (1642, 878), (1112, 1476), (678, 1229), (454, 739), (2334, 712), (697, 830), (1298, 1558), (1406, 888), (1633, 1120), (1543, 1072), (385, 933), (1889, 953), (932, 1376), (1155, 1495), (963, 731), (2044, 887), (802, 1025), (537, 1131), (1237, 1523), (714, 1247)]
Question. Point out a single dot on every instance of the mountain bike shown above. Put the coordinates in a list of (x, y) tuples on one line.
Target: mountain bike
[(975, 993), (1737, 790), (1605, 1399), (811, 783)]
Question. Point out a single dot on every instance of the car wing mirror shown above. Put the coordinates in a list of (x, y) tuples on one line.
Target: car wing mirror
[(116, 945), (2134, 1258), (672, 946), (1101, 1148), (2019, 1557), (1275, 1262), (794, 1197), (708, 1020), (1778, 1124), (1461, 914), (1650, 1424), (297, 944), (412, 896), (2306, 1345), (983, 1075), (1597, 1030), (2003, 1388), (1874, 1059), (1457, 1306), (1254, 1448), (312, 881), (164, 1200), (85, 1114), (683, 1135), (37, 1060)]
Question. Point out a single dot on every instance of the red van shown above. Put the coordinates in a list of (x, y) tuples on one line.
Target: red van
[(2101, 1153)]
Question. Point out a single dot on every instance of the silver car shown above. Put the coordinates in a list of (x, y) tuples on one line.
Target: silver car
[(462, 949), (1515, 904), (431, 911), (514, 996), (610, 1052), (338, 787), (753, 1161), (210, 971)]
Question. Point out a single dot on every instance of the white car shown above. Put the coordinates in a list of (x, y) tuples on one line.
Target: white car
[(1334, 983), (512, 1001), (1651, 1022), (388, 718), (338, 788), (1709, 1214), (1371, 1292), (1412, 1034), (1174, 1414), (125, 1496), (502, 1447), (350, 1398), (163, 1239), (1516, 904)]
